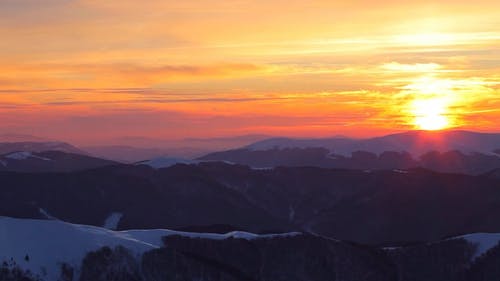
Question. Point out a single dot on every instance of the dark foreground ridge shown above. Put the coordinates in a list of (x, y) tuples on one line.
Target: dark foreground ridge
[(282, 258), (370, 207)]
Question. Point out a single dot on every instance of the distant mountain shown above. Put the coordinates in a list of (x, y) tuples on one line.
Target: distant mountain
[(453, 152), (245, 139), (200, 143), (372, 207), (165, 162), (414, 142), (49, 161), (55, 250), (125, 154), (448, 162), (135, 149), (7, 147)]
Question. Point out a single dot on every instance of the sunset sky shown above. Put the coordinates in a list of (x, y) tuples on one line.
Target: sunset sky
[(89, 70)]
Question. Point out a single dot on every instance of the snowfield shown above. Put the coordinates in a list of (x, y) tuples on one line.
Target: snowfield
[(48, 243), (41, 246)]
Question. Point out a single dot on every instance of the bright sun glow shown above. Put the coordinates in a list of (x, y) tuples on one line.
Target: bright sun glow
[(433, 101), (430, 114)]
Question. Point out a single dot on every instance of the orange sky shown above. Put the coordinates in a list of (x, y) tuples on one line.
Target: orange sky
[(87, 70)]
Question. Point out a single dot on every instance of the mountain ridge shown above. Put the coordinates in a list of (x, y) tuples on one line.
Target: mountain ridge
[(452, 151), (50, 161), (414, 142), (47, 250), (369, 207)]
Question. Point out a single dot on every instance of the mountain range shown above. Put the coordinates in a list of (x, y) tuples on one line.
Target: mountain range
[(414, 142), (89, 253), (8, 147), (253, 149), (49, 161), (135, 149), (451, 152), (272, 210), (370, 207)]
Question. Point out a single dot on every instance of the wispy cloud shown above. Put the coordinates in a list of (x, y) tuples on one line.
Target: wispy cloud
[(216, 67)]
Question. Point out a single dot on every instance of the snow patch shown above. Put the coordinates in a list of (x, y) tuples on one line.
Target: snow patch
[(484, 241), (334, 156), (165, 162), (46, 214), (400, 171), (262, 168), (23, 155), (112, 221), (225, 162), (391, 248)]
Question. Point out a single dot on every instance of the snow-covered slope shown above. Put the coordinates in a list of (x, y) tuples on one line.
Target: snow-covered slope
[(48, 243), (41, 246)]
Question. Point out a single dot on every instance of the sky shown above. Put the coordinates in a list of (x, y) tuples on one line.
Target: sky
[(88, 70)]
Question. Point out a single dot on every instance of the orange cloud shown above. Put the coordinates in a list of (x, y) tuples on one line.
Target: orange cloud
[(227, 67)]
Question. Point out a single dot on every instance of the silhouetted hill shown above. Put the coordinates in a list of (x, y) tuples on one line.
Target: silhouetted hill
[(125, 154), (135, 148), (7, 147), (448, 162), (49, 161), (364, 206), (413, 142)]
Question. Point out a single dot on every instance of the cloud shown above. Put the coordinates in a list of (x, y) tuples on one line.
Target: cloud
[(276, 66), (48, 76), (417, 67)]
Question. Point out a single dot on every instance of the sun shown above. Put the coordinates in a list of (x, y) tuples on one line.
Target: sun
[(432, 122), (430, 114)]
